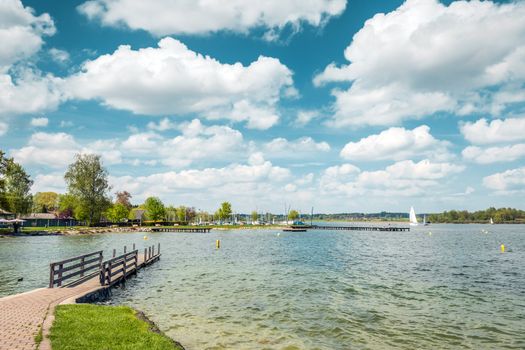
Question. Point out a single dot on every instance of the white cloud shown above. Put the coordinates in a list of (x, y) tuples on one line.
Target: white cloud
[(4, 127), (57, 150), (39, 122), (397, 144), (509, 180), (172, 79), (494, 154), (59, 56), (305, 117), (66, 123), (162, 17), (483, 132), (404, 178), (162, 125), (232, 182), (53, 182), (14, 92), (196, 142), (286, 148), (21, 32), (426, 57)]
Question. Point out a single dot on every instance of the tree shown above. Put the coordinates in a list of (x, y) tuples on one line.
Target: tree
[(117, 212), (293, 214), (154, 209), (44, 202), (87, 179), (69, 207), (255, 216), (224, 211), (181, 213), (16, 186), (123, 198)]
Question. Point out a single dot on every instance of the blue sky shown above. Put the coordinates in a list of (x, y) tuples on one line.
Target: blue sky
[(340, 105)]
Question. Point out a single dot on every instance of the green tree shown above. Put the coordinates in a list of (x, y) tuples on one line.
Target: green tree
[(87, 179), (154, 209), (16, 186), (181, 213), (44, 202), (117, 212), (255, 216), (224, 211), (293, 214)]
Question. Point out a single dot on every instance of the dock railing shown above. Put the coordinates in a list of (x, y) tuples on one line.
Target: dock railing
[(74, 270), (119, 267)]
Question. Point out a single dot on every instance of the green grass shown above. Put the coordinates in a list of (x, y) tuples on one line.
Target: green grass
[(97, 327)]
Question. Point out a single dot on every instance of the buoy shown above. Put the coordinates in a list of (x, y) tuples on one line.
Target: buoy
[(145, 238), (502, 248), (430, 233), (218, 244), (278, 234)]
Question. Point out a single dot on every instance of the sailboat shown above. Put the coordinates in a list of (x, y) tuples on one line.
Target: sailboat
[(491, 221), (413, 218), (425, 223)]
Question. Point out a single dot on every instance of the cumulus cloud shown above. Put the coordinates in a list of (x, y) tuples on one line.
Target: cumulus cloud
[(196, 142), (21, 32), (59, 56), (404, 178), (281, 147), (257, 178), (163, 17), (21, 35), (494, 154), (397, 144), (172, 79), (483, 132), (39, 122), (413, 62), (57, 150), (52, 182), (509, 180)]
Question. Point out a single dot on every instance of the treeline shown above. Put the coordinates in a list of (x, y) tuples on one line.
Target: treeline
[(501, 215)]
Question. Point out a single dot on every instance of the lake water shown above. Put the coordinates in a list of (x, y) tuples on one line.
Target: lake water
[(267, 289)]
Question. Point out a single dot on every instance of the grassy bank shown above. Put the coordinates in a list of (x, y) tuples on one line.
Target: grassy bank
[(97, 327)]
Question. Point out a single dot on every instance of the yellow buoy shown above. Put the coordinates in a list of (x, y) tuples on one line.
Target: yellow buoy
[(145, 238), (502, 248), (218, 244)]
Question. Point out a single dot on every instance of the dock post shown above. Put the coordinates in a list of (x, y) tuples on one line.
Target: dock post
[(158, 250), (114, 252), (82, 267), (124, 249), (133, 246), (153, 250), (51, 275), (145, 251)]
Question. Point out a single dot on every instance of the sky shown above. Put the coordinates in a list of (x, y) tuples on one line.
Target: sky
[(344, 106)]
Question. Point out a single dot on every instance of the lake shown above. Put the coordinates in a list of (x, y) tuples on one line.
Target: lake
[(265, 289)]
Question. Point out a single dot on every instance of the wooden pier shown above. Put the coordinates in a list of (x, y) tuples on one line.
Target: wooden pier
[(181, 229), (85, 278), (361, 228)]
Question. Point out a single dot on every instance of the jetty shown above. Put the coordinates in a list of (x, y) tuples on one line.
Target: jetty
[(304, 228), (181, 229), (361, 228), (84, 278)]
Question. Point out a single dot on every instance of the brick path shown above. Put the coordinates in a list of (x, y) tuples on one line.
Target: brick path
[(22, 315)]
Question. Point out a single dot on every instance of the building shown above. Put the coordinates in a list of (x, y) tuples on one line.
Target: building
[(46, 220)]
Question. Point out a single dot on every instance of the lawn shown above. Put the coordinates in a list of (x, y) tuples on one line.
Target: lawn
[(97, 327)]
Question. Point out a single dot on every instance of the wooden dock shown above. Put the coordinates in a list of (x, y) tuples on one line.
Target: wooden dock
[(84, 278), (181, 229), (361, 228)]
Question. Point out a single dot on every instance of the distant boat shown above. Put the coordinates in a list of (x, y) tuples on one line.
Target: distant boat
[(425, 223), (491, 221), (413, 218)]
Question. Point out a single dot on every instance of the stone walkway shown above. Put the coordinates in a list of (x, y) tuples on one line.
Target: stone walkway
[(23, 315)]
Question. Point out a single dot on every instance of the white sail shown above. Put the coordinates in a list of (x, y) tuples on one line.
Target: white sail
[(413, 218), (424, 220), (491, 221)]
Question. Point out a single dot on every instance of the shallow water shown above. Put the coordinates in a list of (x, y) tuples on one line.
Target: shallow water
[(314, 290)]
